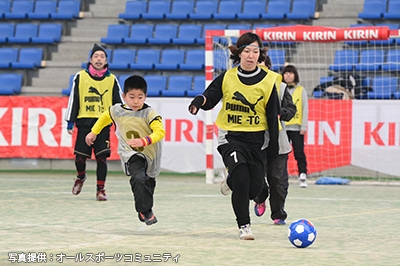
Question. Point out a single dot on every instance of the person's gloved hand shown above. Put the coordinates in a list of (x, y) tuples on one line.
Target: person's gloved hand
[(195, 105)]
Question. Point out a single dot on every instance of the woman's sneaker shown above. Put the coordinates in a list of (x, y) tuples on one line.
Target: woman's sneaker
[(245, 232), (279, 222), (303, 180), (78, 184), (101, 195), (259, 209)]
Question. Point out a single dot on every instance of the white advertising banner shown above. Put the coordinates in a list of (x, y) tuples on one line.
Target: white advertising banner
[(184, 143), (376, 136)]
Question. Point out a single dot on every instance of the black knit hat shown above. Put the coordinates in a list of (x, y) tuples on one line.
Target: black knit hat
[(96, 48)]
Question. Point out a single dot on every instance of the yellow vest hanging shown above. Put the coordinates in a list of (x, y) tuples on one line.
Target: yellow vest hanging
[(243, 106), (298, 101), (95, 95)]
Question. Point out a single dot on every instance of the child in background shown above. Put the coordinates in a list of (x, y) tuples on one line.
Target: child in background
[(296, 128)]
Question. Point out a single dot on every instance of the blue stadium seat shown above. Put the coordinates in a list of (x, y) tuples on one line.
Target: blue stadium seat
[(188, 34), (24, 33), (122, 59), (163, 34), (122, 78), (392, 62), (302, 10), (116, 33), (325, 79), (319, 93), (67, 10), (155, 83), (221, 62), (344, 60), (228, 10), (370, 60), (252, 10), (396, 95), (177, 86), (392, 11), (10, 83), (29, 58), (133, 10), (146, 58), (239, 26), (43, 9), (194, 60), (180, 10), (20, 9), (157, 9), (373, 10), (49, 33), (278, 58), (7, 56), (139, 34), (383, 87), (6, 30), (263, 25), (67, 91), (204, 10), (170, 59), (199, 84), (277, 10), (5, 7), (209, 27)]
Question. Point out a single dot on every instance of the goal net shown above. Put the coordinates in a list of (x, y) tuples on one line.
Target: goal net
[(351, 78)]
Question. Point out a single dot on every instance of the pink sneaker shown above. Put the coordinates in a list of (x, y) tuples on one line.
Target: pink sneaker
[(259, 209), (279, 222)]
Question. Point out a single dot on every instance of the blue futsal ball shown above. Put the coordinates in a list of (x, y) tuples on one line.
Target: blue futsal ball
[(302, 233)]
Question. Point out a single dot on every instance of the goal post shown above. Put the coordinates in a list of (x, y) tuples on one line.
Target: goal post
[(342, 139)]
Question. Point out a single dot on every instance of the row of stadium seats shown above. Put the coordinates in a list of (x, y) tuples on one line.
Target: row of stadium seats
[(366, 60), (163, 86), (40, 10), (171, 59), (34, 33), (21, 58), (220, 10), (380, 9), (161, 34), (382, 88)]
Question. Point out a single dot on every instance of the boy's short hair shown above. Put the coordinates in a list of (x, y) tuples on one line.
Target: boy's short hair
[(135, 82)]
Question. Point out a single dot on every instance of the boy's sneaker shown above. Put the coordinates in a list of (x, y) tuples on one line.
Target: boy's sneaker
[(303, 180), (224, 188), (279, 222), (101, 195), (149, 218), (259, 209), (140, 216), (78, 184), (245, 232)]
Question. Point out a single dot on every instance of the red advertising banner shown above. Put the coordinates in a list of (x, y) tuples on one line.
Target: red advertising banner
[(306, 33), (328, 138), (34, 127)]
